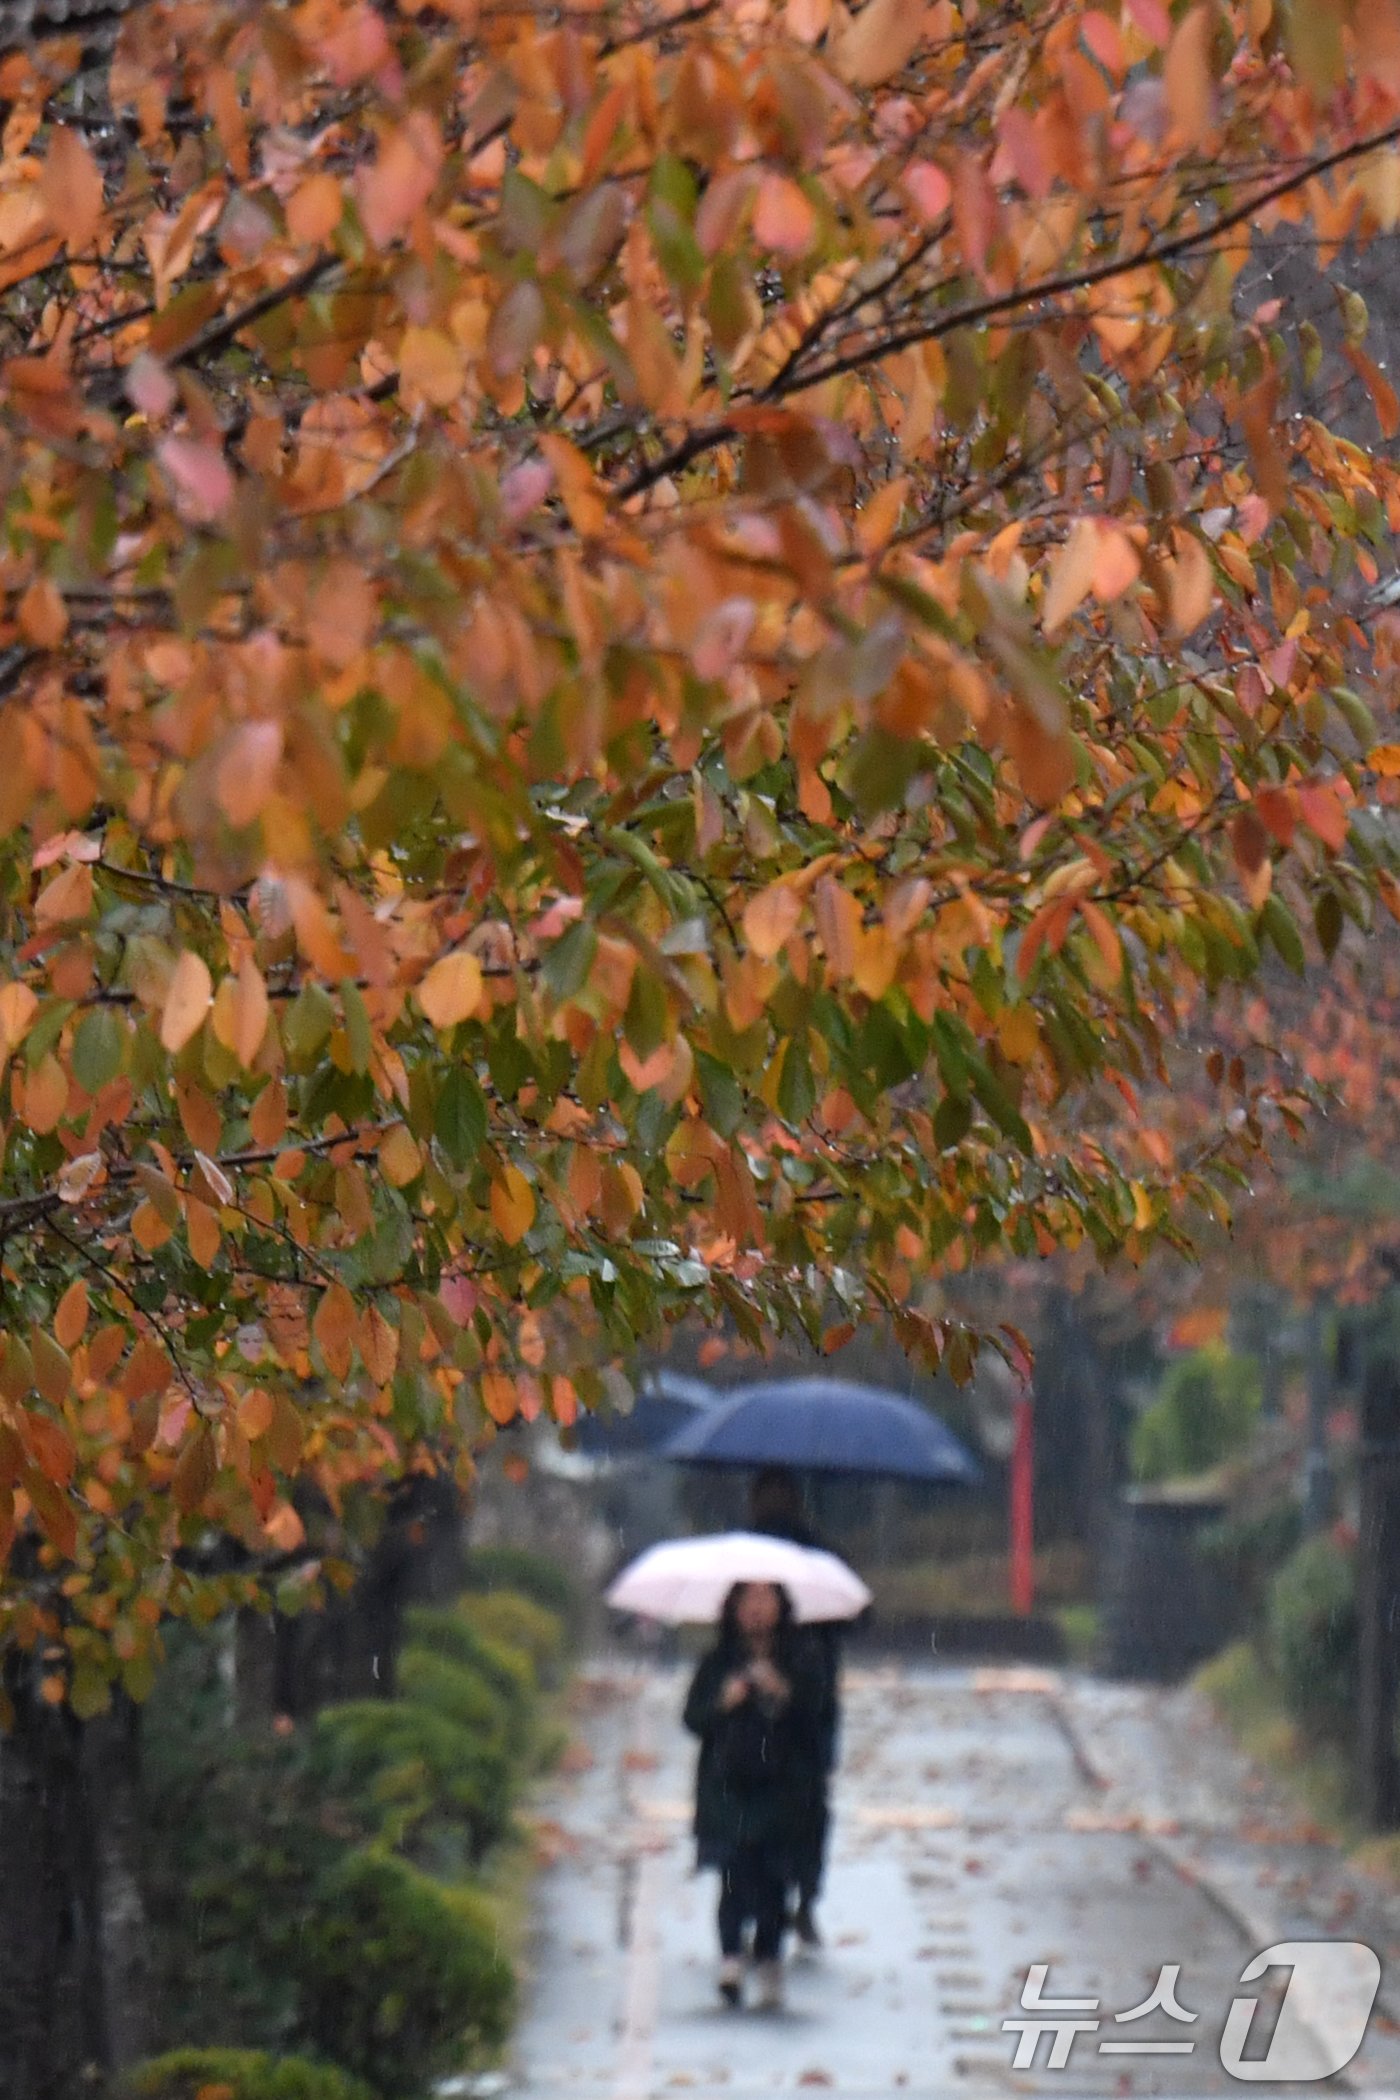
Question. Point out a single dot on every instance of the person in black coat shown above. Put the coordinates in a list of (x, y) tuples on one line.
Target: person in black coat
[(775, 1507), (756, 1704)]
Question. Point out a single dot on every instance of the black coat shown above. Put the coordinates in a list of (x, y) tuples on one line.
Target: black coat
[(761, 1766), (824, 1641)]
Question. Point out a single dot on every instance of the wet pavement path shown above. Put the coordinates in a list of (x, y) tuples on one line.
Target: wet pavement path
[(969, 1843)]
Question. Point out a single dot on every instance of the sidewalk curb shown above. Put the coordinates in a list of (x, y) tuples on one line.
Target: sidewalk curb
[(1256, 1926)]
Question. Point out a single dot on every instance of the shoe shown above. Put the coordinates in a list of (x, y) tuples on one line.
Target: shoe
[(805, 1926), (769, 1975), (731, 1980)]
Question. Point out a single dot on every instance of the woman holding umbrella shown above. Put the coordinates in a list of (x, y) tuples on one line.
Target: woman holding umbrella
[(758, 1706)]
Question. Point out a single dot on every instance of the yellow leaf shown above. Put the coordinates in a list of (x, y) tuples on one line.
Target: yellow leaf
[(430, 366), (400, 1158), (1382, 758), (512, 1206), (18, 1007), (1018, 1032), (770, 919), (451, 991), (186, 1002)]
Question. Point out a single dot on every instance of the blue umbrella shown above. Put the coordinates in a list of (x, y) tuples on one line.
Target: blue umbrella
[(666, 1403), (824, 1425)]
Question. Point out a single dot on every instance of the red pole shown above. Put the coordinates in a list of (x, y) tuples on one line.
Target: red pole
[(1023, 1510)]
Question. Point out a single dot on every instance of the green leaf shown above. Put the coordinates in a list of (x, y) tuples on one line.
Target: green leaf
[(1278, 923), (357, 1029), (721, 1094), (459, 1122), (99, 1046), (1329, 921)]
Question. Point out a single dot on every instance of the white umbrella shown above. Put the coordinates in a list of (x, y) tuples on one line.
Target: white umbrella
[(685, 1581)]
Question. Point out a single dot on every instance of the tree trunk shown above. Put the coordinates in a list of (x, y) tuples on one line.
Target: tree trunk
[(112, 1774), (1378, 1595)]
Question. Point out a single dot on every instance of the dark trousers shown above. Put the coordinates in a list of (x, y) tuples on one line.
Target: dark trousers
[(752, 1890), (811, 1859)]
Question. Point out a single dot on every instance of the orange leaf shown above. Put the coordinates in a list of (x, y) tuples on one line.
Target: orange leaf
[(1190, 585), (1071, 574), (187, 1001), (379, 1345), (195, 1470), (71, 1317), (867, 48), (512, 1206), (1322, 812), (1186, 77), (335, 1326), (51, 1448), (43, 616), (499, 1396), (255, 1413), (770, 919), (401, 179), (202, 1232), (314, 209), (451, 991), (71, 187), (18, 1007), (783, 219)]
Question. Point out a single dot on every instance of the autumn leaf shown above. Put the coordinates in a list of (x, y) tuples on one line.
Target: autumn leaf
[(512, 1205), (783, 219), (402, 177), (771, 918), (71, 187), (199, 476), (451, 991), (868, 47), (187, 1001)]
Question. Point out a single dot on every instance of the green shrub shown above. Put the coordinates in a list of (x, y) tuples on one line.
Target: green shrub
[(456, 1691), (239, 2074), (1204, 1413), (532, 1575), (1313, 1635), (518, 1622), (402, 1768), (507, 1670), (401, 1978)]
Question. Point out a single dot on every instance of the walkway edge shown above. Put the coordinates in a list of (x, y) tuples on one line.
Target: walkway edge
[(1257, 1924)]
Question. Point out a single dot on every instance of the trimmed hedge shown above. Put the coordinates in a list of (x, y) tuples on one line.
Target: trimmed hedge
[(400, 1976), (533, 1575), (440, 1630), (1313, 1635), (400, 1765), (518, 1622), (239, 2074)]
